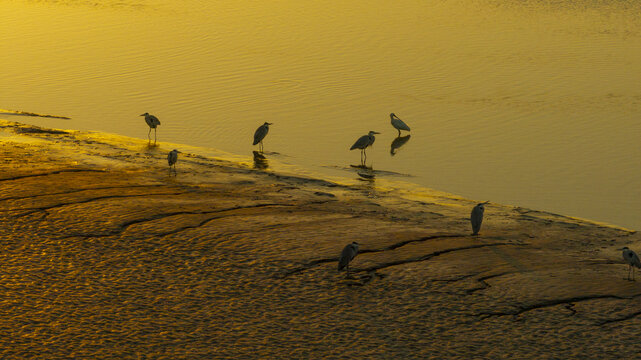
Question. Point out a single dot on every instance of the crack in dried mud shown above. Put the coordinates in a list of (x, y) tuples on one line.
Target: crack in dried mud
[(124, 226), (49, 207), (549, 303), (615, 320), (406, 242), (364, 251), (19, 177), (81, 190), (570, 307), (455, 279), (373, 269), (206, 221), (429, 256), (485, 284), (280, 226)]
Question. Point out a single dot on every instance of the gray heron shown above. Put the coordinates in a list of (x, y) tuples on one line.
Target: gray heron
[(153, 123), (632, 260), (477, 217), (347, 255), (398, 124), (363, 142), (172, 158), (260, 134)]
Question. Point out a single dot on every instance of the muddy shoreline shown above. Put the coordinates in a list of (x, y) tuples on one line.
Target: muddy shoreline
[(107, 256)]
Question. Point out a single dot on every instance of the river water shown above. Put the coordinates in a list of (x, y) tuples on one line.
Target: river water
[(530, 103)]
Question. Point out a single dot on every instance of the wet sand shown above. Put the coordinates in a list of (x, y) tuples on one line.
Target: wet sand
[(107, 256)]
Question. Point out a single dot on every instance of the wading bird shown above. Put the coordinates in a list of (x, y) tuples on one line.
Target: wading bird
[(171, 159), (477, 217), (363, 142), (153, 123), (347, 255), (260, 134), (398, 124), (632, 259)]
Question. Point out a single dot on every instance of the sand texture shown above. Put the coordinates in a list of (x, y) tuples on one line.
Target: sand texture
[(107, 256)]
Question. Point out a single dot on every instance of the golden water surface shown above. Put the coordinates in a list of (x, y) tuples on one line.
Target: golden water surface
[(532, 103)]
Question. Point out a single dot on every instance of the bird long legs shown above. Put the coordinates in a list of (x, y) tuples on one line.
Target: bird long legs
[(155, 135), (363, 160)]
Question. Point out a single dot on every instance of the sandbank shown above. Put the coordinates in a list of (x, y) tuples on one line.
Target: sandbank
[(105, 255)]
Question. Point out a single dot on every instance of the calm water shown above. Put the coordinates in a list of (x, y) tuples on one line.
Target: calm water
[(531, 103)]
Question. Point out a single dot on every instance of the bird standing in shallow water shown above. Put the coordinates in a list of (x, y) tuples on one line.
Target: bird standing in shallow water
[(398, 124), (632, 260), (260, 134), (153, 123), (477, 217), (363, 142), (171, 159), (347, 255)]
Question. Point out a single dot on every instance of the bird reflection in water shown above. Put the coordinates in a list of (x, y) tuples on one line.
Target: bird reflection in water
[(260, 161), (365, 172), (150, 148), (367, 176), (397, 143)]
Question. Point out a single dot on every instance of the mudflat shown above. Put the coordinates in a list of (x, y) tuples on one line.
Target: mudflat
[(105, 255)]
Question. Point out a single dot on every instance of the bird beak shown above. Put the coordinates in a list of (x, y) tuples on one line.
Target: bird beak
[(376, 132), (270, 123), (142, 114)]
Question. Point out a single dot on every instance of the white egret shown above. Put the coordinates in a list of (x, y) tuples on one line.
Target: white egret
[(398, 124)]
